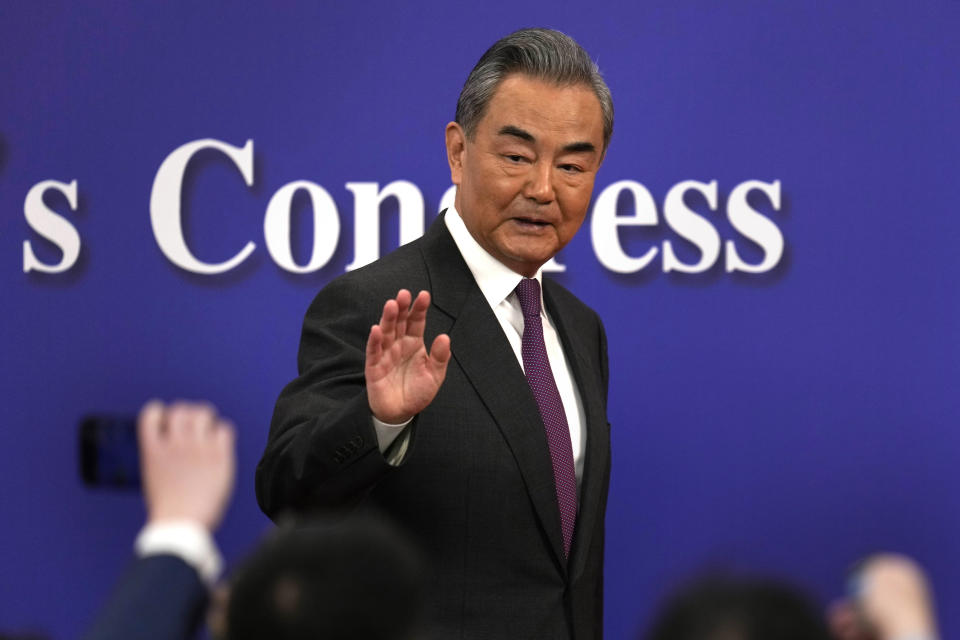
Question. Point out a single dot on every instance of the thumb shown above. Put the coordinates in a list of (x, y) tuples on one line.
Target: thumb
[(440, 352)]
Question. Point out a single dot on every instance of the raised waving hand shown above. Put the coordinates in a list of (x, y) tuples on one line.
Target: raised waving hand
[(402, 377)]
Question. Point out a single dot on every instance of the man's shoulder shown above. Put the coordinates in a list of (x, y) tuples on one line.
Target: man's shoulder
[(374, 283), (402, 263)]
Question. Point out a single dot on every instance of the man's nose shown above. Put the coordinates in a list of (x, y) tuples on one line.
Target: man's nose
[(539, 185)]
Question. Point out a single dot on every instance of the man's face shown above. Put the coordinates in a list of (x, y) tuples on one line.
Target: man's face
[(525, 179)]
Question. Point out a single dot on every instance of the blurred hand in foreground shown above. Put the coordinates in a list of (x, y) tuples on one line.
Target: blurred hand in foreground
[(188, 462), (893, 600)]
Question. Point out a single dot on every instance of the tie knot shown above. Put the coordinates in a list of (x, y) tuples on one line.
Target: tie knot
[(529, 293)]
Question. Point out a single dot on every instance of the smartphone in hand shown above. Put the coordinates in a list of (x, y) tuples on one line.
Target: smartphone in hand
[(109, 455)]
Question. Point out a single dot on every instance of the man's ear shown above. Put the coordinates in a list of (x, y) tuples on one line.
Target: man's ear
[(456, 145)]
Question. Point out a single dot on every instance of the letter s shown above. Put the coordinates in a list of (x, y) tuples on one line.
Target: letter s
[(754, 226), (165, 197), (691, 226), (51, 226)]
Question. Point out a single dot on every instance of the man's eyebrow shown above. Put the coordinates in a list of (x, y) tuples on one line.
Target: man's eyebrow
[(580, 147), (516, 132), (573, 147)]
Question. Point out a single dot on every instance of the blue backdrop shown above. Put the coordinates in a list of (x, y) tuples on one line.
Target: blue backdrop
[(788, 421)]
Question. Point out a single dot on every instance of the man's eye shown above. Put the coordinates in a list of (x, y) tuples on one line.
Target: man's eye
[(514, 158), (571, 168)]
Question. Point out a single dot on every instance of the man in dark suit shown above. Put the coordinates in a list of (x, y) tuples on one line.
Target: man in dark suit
[(493, 446)]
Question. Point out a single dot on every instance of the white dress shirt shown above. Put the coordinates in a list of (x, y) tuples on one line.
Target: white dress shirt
[(497, 283), (189, 540)]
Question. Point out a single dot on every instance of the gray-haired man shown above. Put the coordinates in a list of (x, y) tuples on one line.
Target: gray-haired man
[(493, 446)]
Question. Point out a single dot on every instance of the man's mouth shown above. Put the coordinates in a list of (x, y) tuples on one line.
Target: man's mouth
[(532, 222)]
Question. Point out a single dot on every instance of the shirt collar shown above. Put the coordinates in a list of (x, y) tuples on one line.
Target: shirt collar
[(496, 280)]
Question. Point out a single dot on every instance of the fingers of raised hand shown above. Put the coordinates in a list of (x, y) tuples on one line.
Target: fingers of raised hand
[(190, 421), (417, 320), (374, 344), (403, 312), (150, 422), (402, 316), (180, 423), (225, 435), (393, 320), (224, 440)]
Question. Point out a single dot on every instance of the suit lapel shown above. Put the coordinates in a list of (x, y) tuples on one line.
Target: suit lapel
[(485, 356), (582, 360)]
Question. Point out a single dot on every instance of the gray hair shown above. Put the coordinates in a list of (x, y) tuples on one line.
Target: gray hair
[(540, 53)]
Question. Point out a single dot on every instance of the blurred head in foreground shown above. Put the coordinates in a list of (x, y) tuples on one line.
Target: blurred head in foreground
[(738, 608), (353, 579)]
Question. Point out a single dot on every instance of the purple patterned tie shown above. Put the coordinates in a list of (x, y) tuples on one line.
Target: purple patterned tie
[(536, 366)]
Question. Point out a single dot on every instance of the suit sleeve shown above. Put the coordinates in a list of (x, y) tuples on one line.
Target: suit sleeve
[(160, 597), (322, 450)]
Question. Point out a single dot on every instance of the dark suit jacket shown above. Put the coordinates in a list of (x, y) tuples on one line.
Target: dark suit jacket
[(160, 597), (476, 486)]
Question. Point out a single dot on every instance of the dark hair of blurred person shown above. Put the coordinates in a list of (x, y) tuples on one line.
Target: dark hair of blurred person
[(357, 579), (738, 608)]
